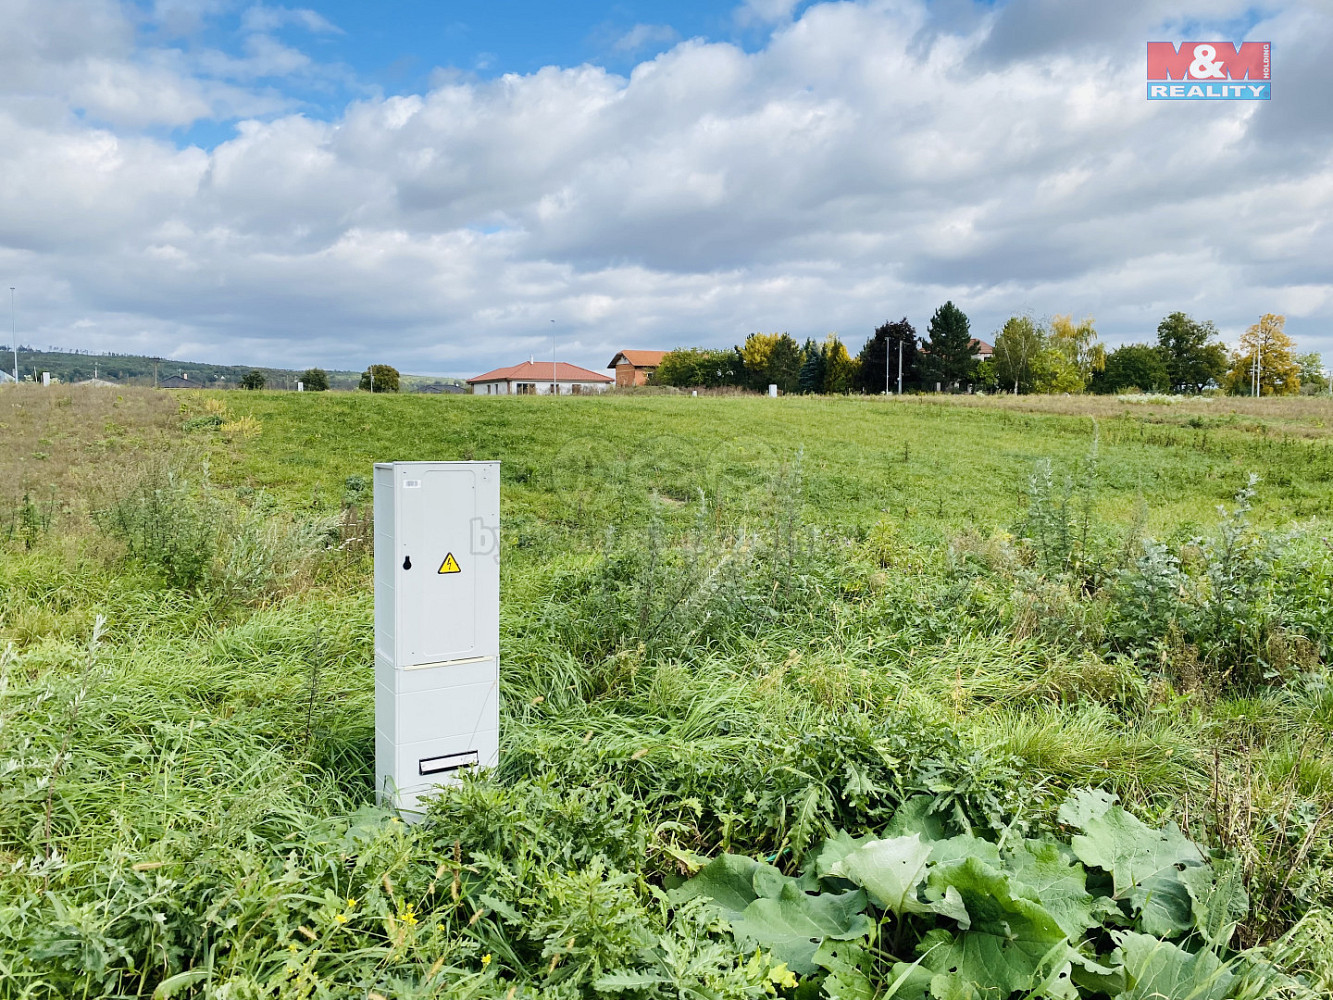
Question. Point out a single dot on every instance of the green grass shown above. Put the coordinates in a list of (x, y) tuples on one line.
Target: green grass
[(672, 687), (582, 463)]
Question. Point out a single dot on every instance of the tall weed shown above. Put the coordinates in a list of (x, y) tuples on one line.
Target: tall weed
[(196, 538)]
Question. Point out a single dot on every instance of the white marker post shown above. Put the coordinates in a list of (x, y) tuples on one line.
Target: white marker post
[(437, 626)]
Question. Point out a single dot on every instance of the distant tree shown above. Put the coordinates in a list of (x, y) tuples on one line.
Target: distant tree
[(1267, 343), (812, 368), (839, 366), (1133, 366), (253, 380), (1017, 345), (771, 358), (755, 353), (1194, 359), (1313, 379), (379, 378), (1078, 343), (984, 376), (879, 359), (950, 347), (698, 367), (784, 365), (1053, 372), (315, 380)]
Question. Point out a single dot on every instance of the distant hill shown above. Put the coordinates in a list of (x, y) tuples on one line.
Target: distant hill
[(137, 369)]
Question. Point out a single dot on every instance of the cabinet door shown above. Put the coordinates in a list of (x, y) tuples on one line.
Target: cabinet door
[(437, 573)]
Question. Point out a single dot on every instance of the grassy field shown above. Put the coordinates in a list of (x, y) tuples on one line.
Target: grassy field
[(730, 625)]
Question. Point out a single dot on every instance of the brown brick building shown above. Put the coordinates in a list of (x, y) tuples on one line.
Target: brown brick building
[(634, 367)]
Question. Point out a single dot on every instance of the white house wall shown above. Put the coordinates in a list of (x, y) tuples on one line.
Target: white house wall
[(543, 388)]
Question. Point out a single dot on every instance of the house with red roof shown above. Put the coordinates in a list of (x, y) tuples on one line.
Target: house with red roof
[(634, 367), (539, 378)]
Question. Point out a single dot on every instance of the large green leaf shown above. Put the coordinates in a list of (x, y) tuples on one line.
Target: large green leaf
[(849, 966), (1042, 871), (964, 846), (1163, 904), (835, 849), (795, 924), (1160, 970), (1014, 943), (890, 870), (1145, 864), (1114, 840), (769, 910), (729, 881)]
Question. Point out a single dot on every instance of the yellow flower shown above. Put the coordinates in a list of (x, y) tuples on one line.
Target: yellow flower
[(408, 915), (341, 918), (292, 948), (485, 960), (351, 903)]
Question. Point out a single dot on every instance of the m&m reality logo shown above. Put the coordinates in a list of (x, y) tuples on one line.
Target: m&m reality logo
[(1209, 71)]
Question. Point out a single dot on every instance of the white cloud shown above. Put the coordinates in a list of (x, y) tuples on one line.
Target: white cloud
[(264, 19), (867, 162), (642, 35), (765, 11)]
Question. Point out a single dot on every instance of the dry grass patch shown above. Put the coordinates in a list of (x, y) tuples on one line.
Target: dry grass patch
[(58, 437)]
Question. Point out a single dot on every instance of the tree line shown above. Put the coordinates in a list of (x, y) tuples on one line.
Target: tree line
[(1029, 356)]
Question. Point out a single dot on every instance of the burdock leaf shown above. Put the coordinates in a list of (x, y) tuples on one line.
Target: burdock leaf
[(1160, 970), (728, 880), (794, 925), (1163, 904), (1129, 850), (1144, 863), (890, 870), (1041, 871), (848, 965), (1014, 943)]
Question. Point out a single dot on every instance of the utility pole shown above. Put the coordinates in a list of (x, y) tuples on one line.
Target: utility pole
[(888, 346), (14, 334), (900, 366)]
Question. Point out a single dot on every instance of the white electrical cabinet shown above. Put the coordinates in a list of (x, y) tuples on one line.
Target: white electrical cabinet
[(437, 625)]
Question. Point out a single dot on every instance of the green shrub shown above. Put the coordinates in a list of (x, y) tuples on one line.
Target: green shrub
[(203, 422), (167, 523)]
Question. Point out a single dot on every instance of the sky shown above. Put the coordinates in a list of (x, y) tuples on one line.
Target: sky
[(449, 187)]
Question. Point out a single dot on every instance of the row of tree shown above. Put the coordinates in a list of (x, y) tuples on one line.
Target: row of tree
[(376, 378), (1029, 355), (1188, 358), (947, 356)]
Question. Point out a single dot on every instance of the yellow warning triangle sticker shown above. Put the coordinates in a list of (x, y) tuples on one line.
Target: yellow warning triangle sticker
[(450, 564)]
